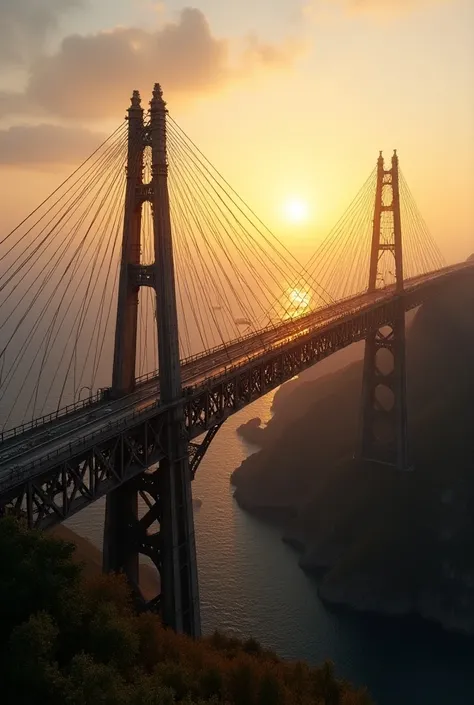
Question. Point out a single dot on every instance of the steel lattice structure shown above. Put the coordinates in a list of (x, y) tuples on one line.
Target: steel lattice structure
[(384, 433), (59, 485), (161, 425)]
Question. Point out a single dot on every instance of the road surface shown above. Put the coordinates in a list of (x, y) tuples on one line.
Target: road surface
[(20, 451)]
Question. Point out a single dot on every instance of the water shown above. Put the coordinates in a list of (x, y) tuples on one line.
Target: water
[(251, 585)]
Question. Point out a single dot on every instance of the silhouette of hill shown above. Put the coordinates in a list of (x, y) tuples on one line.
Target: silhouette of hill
[(381, 540)]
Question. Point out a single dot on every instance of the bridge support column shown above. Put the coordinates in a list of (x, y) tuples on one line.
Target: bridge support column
[(384, 428), (120, 550), (172, 546), (180, 592), (119, 554)]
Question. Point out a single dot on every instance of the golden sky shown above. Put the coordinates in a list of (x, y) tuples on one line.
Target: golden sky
[(287, 98)]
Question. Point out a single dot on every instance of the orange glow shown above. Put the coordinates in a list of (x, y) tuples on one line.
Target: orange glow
[(296, 303)]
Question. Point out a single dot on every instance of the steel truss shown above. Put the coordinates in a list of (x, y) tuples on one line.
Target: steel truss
[(57, 487), (87, 465), (129, 464), (86, 462)]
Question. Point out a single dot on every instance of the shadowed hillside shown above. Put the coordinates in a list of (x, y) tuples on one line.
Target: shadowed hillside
[(69, 638), (381, 541)]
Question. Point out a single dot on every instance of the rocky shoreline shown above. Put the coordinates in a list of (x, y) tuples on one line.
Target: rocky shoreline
[(363, 591), (252, 431), (378, 540)]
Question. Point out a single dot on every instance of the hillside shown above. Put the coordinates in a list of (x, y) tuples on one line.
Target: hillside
[(69, 638), (90, 559), (379, 540)]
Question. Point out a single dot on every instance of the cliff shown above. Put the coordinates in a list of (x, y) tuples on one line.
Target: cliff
[(380, 540)]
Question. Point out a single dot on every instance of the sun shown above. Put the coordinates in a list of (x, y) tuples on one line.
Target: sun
[(296, 302), (295, 210), (299, 298)]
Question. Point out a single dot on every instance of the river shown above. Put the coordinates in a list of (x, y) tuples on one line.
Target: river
[(250, 584)]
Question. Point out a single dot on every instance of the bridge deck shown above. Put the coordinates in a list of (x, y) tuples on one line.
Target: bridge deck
[(19, 452)]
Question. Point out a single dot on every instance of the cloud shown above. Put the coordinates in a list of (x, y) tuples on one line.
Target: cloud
[(91, 76), (46, 144), (18, 104), (25, 24)]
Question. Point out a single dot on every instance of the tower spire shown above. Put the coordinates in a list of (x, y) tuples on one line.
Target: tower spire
[(384, 434), (172, 548), (125, 350), (180, 594), (121, 508)]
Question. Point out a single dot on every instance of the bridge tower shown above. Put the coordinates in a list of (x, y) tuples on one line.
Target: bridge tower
[(384, 433), (125, 534)]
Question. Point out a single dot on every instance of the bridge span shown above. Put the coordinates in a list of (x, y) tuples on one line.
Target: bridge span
[(215, 385), (191, 249)]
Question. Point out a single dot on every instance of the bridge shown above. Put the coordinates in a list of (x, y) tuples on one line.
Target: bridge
[(195, 266)]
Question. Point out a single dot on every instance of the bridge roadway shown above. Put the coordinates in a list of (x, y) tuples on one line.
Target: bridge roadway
[(19, 452)]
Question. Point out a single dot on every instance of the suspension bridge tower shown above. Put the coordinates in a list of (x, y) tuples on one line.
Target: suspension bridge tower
[(126, 535), (384, 432)]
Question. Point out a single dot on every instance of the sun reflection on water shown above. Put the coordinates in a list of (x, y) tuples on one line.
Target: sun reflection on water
[(296, 303)]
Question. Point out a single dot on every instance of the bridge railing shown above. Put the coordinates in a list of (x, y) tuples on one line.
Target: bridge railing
[(287, 327), (206, 353), (18, 473), (52, 416), (291, 323), (99, 396)]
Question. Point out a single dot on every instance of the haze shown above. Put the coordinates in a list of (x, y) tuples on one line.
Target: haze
[(289, 99)]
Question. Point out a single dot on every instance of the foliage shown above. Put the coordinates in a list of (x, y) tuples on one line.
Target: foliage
[(68, 640)]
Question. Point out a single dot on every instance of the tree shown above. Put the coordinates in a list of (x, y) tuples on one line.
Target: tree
[(36, 574), (68, 640)]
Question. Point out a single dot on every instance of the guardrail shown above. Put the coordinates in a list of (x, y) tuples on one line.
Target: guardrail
[(71, 446), (293, 322), (20, 473), (53, 416), (99, 395), (286, 327)]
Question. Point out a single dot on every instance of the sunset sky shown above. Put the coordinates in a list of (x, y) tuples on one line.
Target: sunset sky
[(289, 99)]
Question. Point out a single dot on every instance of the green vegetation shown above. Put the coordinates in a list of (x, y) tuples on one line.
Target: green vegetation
[(71, 640)]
